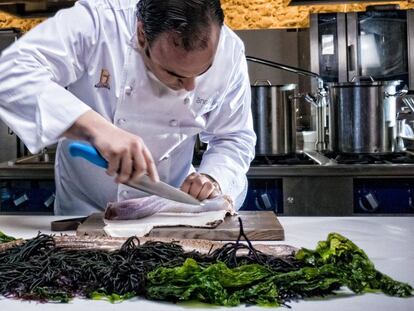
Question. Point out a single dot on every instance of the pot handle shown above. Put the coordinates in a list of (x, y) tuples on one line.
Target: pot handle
[(401, 93), (362, 78), (409, 101), (262, 82), (309, 98)]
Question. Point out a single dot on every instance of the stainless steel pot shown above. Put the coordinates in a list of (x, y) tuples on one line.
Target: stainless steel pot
[(274, 117), (362, 116)]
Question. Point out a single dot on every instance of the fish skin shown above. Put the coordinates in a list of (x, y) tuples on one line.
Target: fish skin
[(150, 205), (132, 209), (11, 244), (112, 244)]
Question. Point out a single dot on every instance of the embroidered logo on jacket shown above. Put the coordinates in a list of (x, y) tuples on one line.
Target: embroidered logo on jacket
[(206, 103), (104, 79), (202, 101)]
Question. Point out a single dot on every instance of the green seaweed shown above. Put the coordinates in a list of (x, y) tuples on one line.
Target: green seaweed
[(5, 238), (349, 264), (334, 263), (112, 298), (39, 270), (216, 284)]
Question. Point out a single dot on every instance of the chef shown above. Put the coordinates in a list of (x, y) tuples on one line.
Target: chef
[(139, 81)]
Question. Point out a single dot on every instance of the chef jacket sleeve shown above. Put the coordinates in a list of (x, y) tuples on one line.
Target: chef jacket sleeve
[(230, 136), (35, 70)]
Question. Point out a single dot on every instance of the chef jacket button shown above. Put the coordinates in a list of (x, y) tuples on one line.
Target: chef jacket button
[(124, 194), (121, 121), (128, 90), (186, 101), (173, 123)]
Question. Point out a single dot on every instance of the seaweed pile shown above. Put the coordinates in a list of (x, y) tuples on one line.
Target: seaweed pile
[(232, 274), (5, 238)]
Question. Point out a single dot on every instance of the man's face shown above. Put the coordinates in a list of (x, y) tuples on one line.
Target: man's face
[(172, 64)]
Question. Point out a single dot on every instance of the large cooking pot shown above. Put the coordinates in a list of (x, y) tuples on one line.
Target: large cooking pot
[(274, 118), (362, 116)]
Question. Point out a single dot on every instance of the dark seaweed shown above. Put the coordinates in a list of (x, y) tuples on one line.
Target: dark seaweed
[(39, 270), (232, 274), (228, 254)]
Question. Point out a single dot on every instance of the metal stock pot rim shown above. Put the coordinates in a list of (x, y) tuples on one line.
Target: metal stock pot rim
[(283, 87), (365, 83)]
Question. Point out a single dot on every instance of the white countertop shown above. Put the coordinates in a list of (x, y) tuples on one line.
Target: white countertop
[(388, 241)]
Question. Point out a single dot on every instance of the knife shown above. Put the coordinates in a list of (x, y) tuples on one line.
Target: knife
[(162, 189)]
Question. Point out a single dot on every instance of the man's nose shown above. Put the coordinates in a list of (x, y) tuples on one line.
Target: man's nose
[(188, 83)]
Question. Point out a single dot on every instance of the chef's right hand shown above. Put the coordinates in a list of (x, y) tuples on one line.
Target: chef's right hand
[(128, 157)]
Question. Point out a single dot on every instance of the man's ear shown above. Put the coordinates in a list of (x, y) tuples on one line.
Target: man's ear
[(141, 34)]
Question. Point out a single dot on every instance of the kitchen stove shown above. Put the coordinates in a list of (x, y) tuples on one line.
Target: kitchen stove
[(287, 159), (330, 184), (387, 158), (314, 158), (301, 184)]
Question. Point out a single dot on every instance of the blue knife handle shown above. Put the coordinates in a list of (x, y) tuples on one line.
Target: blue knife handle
[(87, 152)]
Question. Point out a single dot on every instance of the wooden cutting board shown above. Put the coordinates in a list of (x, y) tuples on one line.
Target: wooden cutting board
[(258, 226)]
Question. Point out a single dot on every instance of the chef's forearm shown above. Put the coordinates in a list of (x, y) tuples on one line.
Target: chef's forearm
[(87, 126)]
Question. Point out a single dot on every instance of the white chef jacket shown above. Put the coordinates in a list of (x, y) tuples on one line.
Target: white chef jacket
[(52, 75)]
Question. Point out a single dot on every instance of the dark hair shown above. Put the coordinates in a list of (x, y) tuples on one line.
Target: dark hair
[(190, 19)]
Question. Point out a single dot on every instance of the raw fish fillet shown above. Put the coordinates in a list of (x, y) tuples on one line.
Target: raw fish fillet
[(139, 216), (148, 206)]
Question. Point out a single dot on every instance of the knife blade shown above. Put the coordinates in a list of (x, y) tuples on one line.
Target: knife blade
[(162, 189)]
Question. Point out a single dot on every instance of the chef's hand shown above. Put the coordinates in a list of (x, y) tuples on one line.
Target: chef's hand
[(201, 186), (128, 157)]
